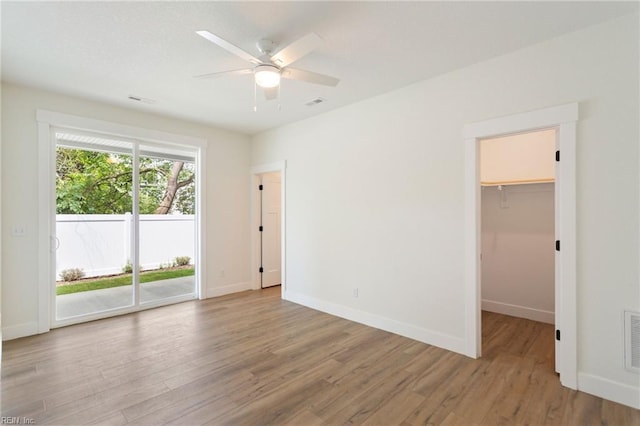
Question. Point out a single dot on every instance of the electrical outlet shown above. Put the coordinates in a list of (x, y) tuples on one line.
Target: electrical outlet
[(18, 231), (355, 292)]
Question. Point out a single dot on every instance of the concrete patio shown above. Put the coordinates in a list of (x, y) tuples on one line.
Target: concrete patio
[(87, 302)]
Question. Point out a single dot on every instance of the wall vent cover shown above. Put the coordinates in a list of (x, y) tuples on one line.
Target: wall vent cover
[(632, 341)]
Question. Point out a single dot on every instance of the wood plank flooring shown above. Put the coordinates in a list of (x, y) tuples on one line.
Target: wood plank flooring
[(253, 359)]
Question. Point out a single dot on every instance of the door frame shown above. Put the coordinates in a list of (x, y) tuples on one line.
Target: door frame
[(256, 171), (47, 122), (564, 118)]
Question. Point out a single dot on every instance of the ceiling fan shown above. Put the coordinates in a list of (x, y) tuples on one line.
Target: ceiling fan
[(270, 67)]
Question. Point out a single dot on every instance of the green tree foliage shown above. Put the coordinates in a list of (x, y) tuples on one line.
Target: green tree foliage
[(91, 182)]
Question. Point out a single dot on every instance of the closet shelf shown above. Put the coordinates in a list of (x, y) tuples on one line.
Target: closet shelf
[(517, 182)]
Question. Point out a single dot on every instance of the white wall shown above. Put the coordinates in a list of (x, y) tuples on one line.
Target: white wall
[(518, 251), (375, 194), (227, 176)]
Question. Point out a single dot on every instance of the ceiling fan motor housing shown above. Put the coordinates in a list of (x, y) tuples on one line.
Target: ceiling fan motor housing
[(265, 46)]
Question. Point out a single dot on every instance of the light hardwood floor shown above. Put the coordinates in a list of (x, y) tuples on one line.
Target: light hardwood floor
[(253, 359)]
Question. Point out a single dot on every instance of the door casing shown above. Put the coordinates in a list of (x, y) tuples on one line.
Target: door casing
[(256, 171), (564, 118)]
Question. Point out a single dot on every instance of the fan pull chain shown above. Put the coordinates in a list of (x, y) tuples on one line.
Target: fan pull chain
[(279, 104), (255, 101)]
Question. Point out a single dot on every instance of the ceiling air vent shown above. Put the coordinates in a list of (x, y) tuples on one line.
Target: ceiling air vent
[(632, 341), (141, 99), (315, 101)]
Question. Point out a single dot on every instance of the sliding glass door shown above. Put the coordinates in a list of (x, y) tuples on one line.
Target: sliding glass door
[(125, 225), (93, 209), (167, 226)]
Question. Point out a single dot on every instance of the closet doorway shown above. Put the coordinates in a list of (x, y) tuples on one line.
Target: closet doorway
[(518, 198), (562, 118)]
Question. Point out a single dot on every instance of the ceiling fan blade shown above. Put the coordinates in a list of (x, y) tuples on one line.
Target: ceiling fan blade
[(309, 77), (271, 93), (296, 50), (221, 73), (228, 46)]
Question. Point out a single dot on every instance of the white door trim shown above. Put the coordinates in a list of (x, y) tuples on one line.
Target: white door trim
[(256, 171), (564, 118), (46, 224)]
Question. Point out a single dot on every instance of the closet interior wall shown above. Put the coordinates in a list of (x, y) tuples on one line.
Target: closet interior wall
[(518, 251)]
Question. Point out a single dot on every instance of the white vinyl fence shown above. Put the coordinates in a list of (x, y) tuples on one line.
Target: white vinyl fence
[(101, 244)]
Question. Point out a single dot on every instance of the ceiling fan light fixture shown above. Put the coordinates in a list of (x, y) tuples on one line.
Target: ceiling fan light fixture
[(267, 76)]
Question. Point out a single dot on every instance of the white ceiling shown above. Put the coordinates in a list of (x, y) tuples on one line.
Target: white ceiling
[(106, 51)]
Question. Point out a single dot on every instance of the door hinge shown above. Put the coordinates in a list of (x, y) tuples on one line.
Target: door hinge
[(260, 187), (557, 155), (261, 270), (557, 245), (260, 228), (558, 335)]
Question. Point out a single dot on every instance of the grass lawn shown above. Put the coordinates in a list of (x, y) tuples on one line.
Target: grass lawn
[(124, 279)]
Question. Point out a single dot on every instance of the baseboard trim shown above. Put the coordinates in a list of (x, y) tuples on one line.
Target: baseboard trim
[(228, 289), (518, 311), (10, 332), (608, 389), (429, 337)]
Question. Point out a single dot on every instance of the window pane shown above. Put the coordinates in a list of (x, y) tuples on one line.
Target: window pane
[(167, 227), (93, 231)]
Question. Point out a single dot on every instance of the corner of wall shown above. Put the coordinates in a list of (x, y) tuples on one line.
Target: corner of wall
[(429, 337), (228, 289), (19, 330)]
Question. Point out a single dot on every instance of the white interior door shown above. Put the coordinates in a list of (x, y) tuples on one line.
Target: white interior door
[(271, 232)]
